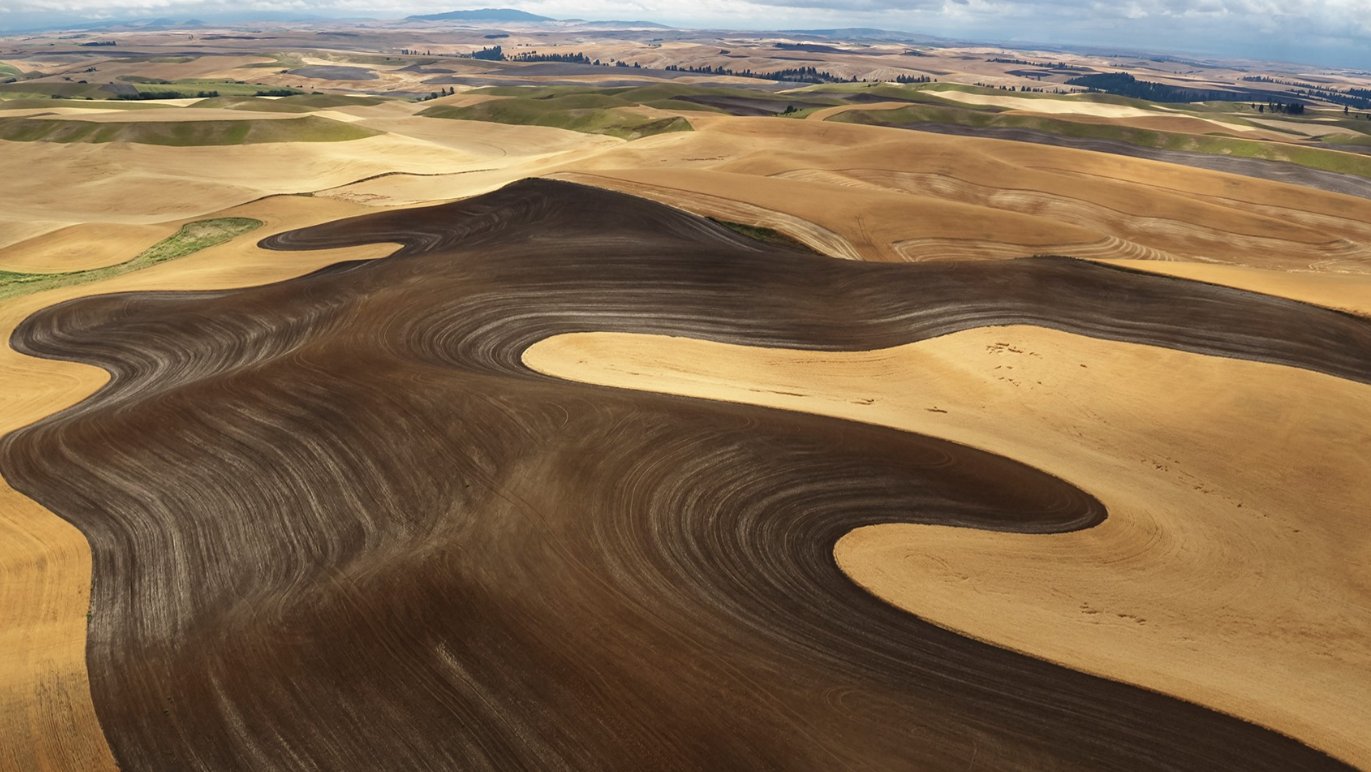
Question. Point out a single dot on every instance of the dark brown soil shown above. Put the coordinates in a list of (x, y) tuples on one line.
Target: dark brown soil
[(336, 524)]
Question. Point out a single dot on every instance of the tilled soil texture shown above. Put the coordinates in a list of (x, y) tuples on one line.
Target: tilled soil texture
[(336, 523)]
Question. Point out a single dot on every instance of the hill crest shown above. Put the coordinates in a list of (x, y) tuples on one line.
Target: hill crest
[(483, 14)]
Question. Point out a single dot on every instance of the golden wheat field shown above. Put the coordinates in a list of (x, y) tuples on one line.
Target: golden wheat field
[(730, 401)]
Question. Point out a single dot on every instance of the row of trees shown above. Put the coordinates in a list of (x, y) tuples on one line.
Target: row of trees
[(1289, 108), (141, 95), (534, 56), (1026, 89), (497, 54), (1123, 84), (1359, 98), (793, 74), (1041, 65), (1281, 81), (449, 91)]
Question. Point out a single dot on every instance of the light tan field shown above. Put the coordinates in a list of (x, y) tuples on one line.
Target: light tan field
[(180, 114), (140, 184), (1340, 291), (1237, 520), (1119, 600), (80, 113), (80, 247), (1178, 123), (825, 113), (858, 191), (1146, 119), (1306, 128), (1048, 106), (198, 67), (891, 195)]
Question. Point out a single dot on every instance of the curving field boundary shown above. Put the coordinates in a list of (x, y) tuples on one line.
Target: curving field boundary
[(336, 522)]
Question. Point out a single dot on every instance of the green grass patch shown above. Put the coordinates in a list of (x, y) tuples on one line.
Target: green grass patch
[(651, 94), (765, 235), (528, 92), (968, 89), (192, 238), (600, 110), (29, 89), (255, 104), (1362, 127), (1238, 113), (310, 128), (190, 87), (591, 113), (383, 60), (303, 103), (284, 60), (1347, 139), (88, 104), (324, 101)]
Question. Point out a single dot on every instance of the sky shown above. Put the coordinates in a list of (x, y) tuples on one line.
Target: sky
[(1320, 32)]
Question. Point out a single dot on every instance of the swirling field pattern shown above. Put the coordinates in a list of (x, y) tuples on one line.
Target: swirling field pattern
[(337, 524)]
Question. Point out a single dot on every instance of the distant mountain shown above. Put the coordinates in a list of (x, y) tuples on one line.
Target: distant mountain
[(484, 14), (618, 24)]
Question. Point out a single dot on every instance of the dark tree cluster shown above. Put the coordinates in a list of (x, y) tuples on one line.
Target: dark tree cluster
[(141, 95), (534, 56), (793, 74), (96, 43), (495, 53), (1281, 81), (812, 48), (1041, 65), (449, 91), (1026, 89), (1289, 108), (1359, 98)]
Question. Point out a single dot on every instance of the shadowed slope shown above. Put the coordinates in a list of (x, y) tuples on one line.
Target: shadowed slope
[(337, 523)]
